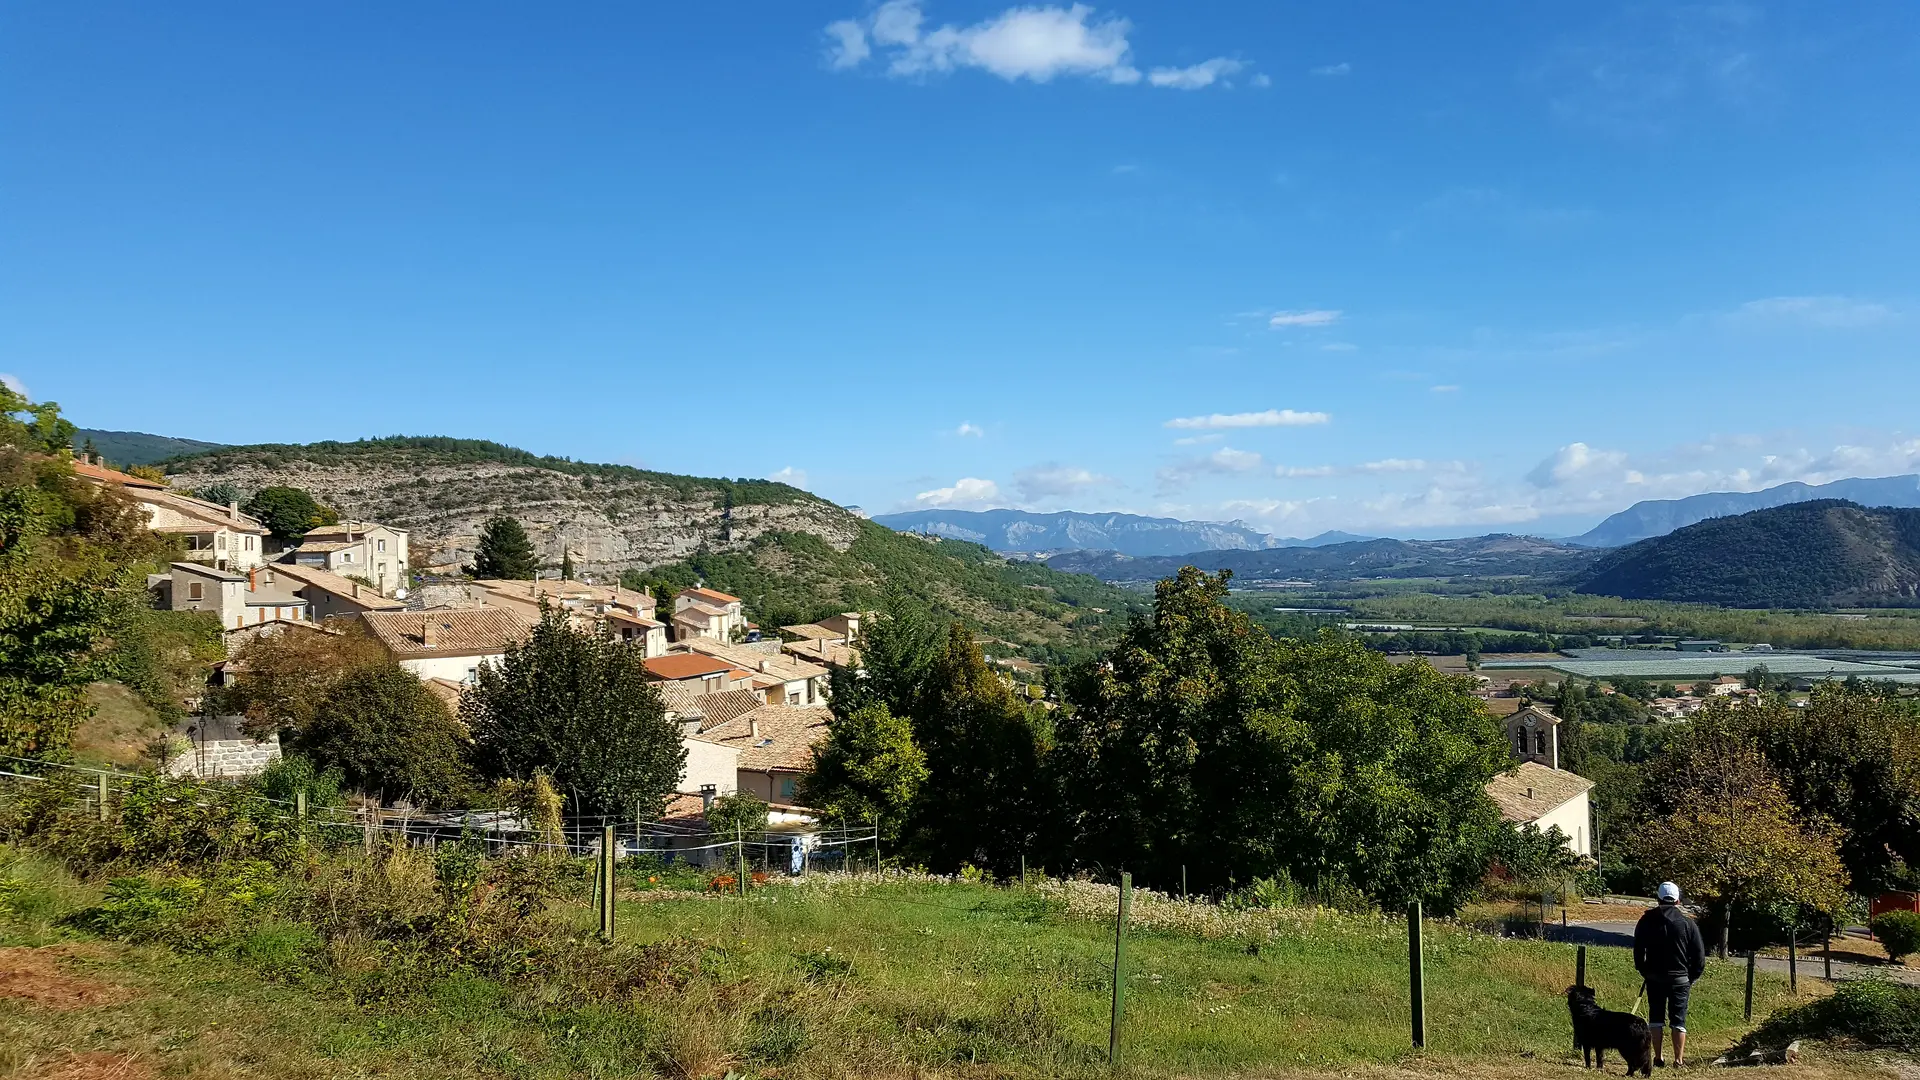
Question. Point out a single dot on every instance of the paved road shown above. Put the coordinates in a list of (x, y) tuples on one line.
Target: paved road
[(1620, 935)]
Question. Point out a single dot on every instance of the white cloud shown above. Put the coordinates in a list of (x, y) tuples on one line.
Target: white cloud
[(1196, 440), (1385, 465), (1282, 319), (968, 491), (1225, 461), (1038, 43), (13, 383), (790, 475), (1394, 465), (1827, 312), (1269, 418), (1340, 68), (847, 44), (1198, 77), (1261, 81), (969, 430), (1444, 388), (1575, 463), (1303, 471), (1050, 481)]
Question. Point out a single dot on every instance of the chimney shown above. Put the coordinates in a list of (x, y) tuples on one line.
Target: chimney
[(707, 792), (253, 581), (430, 633), (1529, 793), (233, 509), (766, 666), (753, 726), (356, 590)]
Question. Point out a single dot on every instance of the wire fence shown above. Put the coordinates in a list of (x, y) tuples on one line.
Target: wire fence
[(797, 848)]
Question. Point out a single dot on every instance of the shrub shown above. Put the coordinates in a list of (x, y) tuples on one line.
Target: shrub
[(1899, 933), (1868, 1013)]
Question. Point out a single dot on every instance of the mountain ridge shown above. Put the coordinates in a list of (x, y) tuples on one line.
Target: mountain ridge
[(1821, 554), (1658, 517), (1496, 554), (1072, 530)]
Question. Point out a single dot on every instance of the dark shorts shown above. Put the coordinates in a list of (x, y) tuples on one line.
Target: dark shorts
[(1667, 1001)]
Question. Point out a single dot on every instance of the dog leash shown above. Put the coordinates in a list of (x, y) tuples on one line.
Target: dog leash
[(1641, 998)]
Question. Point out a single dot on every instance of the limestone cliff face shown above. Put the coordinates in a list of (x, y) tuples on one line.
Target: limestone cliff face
[(611, 521)]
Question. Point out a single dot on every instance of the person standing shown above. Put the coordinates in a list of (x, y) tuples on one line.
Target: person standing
[(1670, 955)]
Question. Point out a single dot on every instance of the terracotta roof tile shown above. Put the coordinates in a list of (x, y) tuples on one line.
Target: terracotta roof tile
[(684, 666), (710, 595), (456, 632), (1532, 789), (786, 739)]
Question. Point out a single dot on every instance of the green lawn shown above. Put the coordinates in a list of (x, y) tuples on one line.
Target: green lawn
[(856, 979)]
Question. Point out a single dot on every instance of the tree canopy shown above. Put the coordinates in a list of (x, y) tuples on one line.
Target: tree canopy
[(504, 551), (576, 704), (288, 512)]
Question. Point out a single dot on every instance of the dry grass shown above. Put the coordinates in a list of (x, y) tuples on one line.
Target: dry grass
[(120, 729)]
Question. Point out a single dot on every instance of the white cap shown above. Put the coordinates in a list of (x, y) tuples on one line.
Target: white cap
[(1669, 893)]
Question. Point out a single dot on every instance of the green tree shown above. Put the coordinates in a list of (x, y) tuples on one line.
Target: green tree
[(504, 552), (386, 733), (220, 492), (1203, 742), (1719, 822), (986, 799), (566, 566), (868, 769), (737, 813), (288, 512), (576, 703)]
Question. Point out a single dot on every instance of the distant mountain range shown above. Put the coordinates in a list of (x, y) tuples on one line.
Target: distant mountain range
[(124, 448), (1477, 556), (1825, 553), (1127, 534), (1658, 517)]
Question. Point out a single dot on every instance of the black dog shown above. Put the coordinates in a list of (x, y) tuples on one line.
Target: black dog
[(1596, 1030)]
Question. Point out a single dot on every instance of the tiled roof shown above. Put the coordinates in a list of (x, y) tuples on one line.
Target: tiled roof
[(1532, 790), (813, 632), (326, 545), (621, 616), (447, 691), (823, 652), (456, 632), (1537, 712), (102, 474), (779, 665), (713, 596), (684, 666), (685, 699), (366, 597), (786, 739), (207, 571)]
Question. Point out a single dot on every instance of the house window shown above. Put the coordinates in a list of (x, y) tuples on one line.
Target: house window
[(221, 541), (383, 570), (1539, 742), (1520, 743), (346, 556), (379, 545), (793, 698), (249, 543), (786, 787), (196, 591)]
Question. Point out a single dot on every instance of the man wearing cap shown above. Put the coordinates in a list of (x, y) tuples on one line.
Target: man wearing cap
[(1670, 954)]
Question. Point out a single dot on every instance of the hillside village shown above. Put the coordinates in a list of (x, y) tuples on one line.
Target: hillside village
[(751, 703)]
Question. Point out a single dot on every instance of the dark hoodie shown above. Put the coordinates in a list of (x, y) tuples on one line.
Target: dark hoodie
[(1667, 944)]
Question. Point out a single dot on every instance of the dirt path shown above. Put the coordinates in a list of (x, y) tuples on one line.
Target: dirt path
[(1611, 934)]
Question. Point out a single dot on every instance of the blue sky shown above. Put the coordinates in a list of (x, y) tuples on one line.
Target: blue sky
[(1397, 268)]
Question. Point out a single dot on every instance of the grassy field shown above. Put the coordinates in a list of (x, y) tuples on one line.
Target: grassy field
[(837, 978)]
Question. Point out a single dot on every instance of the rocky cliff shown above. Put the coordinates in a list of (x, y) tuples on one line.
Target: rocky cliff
[(611, 517)]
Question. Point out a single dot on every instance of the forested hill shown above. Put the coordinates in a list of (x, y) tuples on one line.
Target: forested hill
[(1477, 556), (791, 555), (124, 448), (1067, 530), (1658, 517), (1827, 553)]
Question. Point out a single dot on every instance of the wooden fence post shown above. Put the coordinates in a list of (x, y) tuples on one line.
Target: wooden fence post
[(740, 859), (876, 843), (1416, 976), (103, 796), (1793, 960), (1826, 952), (1580, 967), (1119, 970), (1749, 1013), (608, 887), (300, 804), (1183, 881)]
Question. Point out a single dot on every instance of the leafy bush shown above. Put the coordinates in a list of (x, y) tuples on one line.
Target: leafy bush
[(1869, 1013), (1899, 933)]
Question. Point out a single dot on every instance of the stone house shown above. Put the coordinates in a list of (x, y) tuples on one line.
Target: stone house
[(238, 600), (374, 553), (708, 614), (446, 643), (219, 536)]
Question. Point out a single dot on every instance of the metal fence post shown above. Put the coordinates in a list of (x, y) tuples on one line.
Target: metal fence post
[(1749, 1013), (1416, 976), (1119, 970), (1793, 960), (876, 843), (1826, 952)]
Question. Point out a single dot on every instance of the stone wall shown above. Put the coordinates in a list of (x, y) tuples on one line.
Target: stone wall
[(218, 748)]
